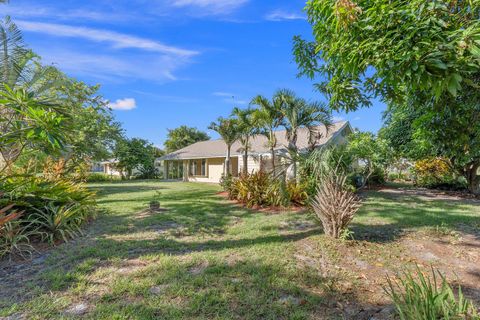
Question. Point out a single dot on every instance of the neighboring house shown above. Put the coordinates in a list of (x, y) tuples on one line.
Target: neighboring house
[(205, 161), (107, 167)]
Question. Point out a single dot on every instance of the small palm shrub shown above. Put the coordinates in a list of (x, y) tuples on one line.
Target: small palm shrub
[(59, 222), (335, 205), (14, 236), (297, 193), (417, 296)]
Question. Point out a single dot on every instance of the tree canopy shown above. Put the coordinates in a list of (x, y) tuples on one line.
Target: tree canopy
[(182, 137), (364, 49)]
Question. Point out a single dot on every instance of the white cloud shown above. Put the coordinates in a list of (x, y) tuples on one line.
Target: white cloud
[(280, 15), (338, 119), (111, 68), (65, 14), (223, 94), (123, 104), (211, 6), (356, 118), (118, 40)]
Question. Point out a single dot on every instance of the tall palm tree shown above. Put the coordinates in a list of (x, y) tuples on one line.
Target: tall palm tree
[(268, 118), (247, 128), (298, 113), (228, 129)]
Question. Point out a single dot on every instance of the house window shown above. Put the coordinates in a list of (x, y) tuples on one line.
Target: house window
[(193, 168), (204, 167)]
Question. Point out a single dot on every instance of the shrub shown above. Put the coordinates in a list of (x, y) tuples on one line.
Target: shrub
[(51, 210), (226, 182), (335, 205), (420, 297), (432, 173), (100, 177), (253, 189), (59, 222), (13, 234), (297, 194)]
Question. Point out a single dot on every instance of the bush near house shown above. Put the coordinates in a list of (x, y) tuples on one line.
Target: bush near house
[(260, 189)]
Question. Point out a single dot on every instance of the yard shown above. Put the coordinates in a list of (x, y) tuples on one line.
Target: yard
[(203, 257)]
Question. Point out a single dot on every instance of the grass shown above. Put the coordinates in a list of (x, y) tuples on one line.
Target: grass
[(204, 258)]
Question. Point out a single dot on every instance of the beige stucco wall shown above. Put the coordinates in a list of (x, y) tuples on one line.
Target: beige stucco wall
[(215, 169)]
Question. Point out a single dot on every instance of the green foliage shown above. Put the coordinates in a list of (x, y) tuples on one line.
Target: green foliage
[(317, 163), (182, 137), (226, 182), (247, 127), (372, 154), (297, 193), (100, 177), (436, 173), (230, 131), (15, 239), (260, 189), (417, 296), (136, 154), (59, 222), (387, 48), (43, 205)]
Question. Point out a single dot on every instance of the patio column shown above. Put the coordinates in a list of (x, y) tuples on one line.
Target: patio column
[(165, 170)]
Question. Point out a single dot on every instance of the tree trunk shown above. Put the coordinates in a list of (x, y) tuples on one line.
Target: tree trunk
[(473, 179), (245, 161), (227, 162), (272, 150)]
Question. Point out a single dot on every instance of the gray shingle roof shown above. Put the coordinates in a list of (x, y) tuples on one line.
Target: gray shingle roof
[(258, 144)]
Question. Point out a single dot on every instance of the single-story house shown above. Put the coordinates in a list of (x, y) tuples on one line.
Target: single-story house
[(205, 161), (107, 167)]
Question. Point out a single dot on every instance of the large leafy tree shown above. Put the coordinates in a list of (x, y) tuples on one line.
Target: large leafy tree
[(182, 137), (248, 128), (135, 154), (365, 48), (453, 133), (298, 113), (30, 117), (371, 152), (268, 117), (229, 130)]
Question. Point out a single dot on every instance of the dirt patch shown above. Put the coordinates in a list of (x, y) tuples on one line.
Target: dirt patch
[(198, 269), (360, 268)]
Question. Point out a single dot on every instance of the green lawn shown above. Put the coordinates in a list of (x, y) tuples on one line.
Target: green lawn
[(205, 258)]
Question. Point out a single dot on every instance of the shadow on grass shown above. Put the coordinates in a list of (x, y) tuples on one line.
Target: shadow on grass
[(386, 217)]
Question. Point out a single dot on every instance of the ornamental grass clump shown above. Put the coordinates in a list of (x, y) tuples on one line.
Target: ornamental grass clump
[(417, 296), (335, 204)]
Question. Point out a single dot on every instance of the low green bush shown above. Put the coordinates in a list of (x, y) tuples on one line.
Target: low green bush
[(417, 296), (261, 189), (38, 209), (101, 177)]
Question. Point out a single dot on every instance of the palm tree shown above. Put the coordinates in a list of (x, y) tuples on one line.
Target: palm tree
[(298, 113), (228, 129), (247, 128), (268, 118)]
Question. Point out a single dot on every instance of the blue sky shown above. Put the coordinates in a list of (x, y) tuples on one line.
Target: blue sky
[(166, 63)]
